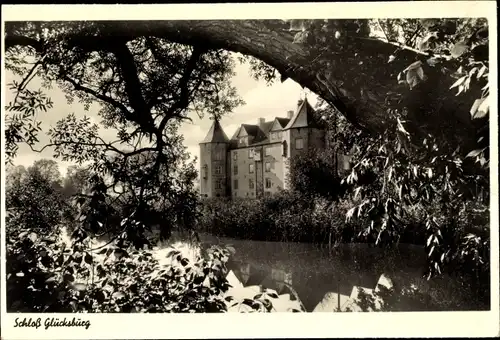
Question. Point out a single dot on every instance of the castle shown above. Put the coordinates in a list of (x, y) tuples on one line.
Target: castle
[(253, 163)]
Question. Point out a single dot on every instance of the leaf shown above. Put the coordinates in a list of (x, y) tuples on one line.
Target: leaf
[(483, 108), (51, 279), (172, 253), (473, 153), (475, 106), (433, 61), (118, 295), (412, 78), (300, 37), (429, 172), (459, 49), (273, 295), (430, 252), (88, 258), (414, 66), (420, 73), (33, 237), (458, 82), (231, 249), (429, 240), (356, 192), (481, 71), (79, 287)]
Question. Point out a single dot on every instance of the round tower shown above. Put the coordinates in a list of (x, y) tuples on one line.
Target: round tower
[(213, 162)]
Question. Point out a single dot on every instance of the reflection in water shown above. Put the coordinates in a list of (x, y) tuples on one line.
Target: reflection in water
[(312, 279)]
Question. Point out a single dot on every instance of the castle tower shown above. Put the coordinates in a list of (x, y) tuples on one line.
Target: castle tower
[(303, 132), (213, 162)]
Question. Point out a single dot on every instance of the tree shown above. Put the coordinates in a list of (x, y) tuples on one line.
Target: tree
[(76, 180), (316, 173), (340, 60), (33, 200), (48, 169), (146, 87)]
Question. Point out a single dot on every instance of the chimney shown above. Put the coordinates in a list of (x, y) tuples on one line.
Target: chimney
[(290, 114), (261, 121)]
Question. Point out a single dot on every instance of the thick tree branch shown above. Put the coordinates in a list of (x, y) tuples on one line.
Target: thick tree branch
[(356, 78), (100, 96), (109, 147), (12, 40)]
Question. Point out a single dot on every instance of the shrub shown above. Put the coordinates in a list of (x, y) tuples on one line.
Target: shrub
[(286, 216), (46, 274)]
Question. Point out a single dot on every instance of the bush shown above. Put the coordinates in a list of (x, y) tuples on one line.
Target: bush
[(46, 274), (287, 216)]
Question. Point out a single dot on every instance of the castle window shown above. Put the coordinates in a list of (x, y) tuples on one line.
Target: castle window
[(235, 184), (251, 168), (218, 156), (299, 143), (218, 169), (250, 153), (251, 184), (268, 183), (268, 166), (205, 171), (218, 184), (235, 169), (285, 148), (235, 155), (268, 151)]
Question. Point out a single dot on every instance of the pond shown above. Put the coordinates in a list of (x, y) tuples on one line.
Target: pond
[(319, 280)]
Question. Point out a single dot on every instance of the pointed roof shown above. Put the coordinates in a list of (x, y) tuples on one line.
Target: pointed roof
[(279, 123), (216, 134), (250, 129), (304, 117)]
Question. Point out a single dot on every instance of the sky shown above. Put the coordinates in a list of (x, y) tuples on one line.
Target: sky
[(261, 101)]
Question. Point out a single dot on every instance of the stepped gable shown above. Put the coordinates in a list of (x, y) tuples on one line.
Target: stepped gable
[(216, 134)]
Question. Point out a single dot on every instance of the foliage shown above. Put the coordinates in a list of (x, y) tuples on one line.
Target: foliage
[(399, 297), (147, 165), (33, 197), (409, 175), (310, 171), (287, 216), (52, 274)]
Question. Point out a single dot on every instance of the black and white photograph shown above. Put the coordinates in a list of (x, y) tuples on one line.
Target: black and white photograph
[(317, 165)]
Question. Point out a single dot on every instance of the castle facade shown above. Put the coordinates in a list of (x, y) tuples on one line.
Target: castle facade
[(254, 161)]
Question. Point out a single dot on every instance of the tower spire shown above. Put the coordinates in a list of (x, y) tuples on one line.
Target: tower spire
[(216, 134)]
